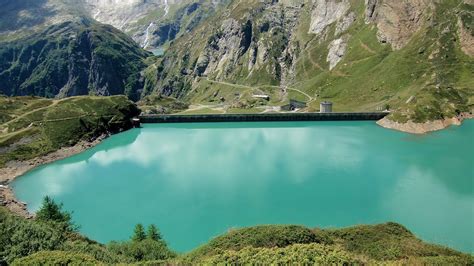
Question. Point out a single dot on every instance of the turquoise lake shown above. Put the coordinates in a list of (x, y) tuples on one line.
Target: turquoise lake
[(196, 181)]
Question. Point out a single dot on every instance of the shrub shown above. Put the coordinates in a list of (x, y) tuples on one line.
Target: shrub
[(56, 258), (20, 237)]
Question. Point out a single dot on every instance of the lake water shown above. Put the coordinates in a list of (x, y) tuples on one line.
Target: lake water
[(195, 181)]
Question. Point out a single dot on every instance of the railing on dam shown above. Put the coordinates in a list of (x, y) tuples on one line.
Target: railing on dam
[(262, 117)]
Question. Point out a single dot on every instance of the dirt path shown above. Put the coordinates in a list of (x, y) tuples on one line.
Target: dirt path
[(54, 103), (314, 63), (367, 48), (304, 93)]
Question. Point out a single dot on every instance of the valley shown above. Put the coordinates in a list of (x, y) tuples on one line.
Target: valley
[(76, 74), (219, 54)]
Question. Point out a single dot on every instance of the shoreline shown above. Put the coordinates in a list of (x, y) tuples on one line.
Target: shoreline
[(14, 169), (423, 128)]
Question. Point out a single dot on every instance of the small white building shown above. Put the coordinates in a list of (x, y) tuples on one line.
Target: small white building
[(325, 107), (261, 96)]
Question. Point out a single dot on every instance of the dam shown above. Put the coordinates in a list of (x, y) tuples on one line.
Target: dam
[(275, 117)]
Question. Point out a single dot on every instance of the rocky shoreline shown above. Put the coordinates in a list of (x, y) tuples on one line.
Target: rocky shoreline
[(15, 169), (423, 128)]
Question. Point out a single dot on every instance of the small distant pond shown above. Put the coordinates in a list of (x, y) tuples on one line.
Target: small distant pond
[(196, 181)]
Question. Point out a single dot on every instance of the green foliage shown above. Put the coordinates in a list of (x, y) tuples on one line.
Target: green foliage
[(144, 250), (95, 250), (139, 233), (143, 247), (58, 62), (20, 237), (39, 243), (56, 258), (153, 233), (51, 212), (299, 254), (268, 236), (388, 241)]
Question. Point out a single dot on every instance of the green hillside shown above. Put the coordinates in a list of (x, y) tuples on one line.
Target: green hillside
[(72, 58), (52, 239), (32, 127), (428, 77)]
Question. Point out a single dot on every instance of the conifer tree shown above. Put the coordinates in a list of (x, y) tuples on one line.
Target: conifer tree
[(51, 212), (153, 233), (139, 233)]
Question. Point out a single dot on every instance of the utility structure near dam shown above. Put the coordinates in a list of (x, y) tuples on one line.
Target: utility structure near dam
[(325, 107)]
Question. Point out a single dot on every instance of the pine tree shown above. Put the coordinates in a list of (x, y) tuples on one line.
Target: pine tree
[(153, 233), (139, 233), (50, 211)]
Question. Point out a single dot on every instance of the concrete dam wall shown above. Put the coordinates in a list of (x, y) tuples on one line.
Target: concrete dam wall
[(262, 117)]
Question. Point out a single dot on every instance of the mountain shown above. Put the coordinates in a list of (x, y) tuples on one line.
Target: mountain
[(77, 57), (60, 48), (152, 23), (414, 57)]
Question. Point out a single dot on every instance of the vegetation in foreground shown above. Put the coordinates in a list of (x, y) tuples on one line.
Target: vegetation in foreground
[(52, 238), (32, 126)]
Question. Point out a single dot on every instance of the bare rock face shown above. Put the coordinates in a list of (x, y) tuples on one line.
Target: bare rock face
[(225, 48), (125, 15), (326, 12), (466, 38), (121, 13), (370, 10), (337, 50), (345, 23), (398, 20)]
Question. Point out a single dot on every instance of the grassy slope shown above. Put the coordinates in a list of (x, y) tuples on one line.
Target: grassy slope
[(372, 75), (431, 68), (388, 243), (31, 126)]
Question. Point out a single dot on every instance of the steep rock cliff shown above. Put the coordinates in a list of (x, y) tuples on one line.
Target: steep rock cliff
[(397, 21)]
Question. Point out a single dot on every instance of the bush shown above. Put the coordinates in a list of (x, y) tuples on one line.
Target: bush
[(142, 250), (56, 258), (95, 250), (300, 254), (267, 236), (388, 241), (20, 237)]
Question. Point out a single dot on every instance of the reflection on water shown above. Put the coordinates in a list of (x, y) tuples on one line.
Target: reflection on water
[(198, 180)]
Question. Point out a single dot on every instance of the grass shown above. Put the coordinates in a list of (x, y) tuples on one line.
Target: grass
[(37, 126)]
